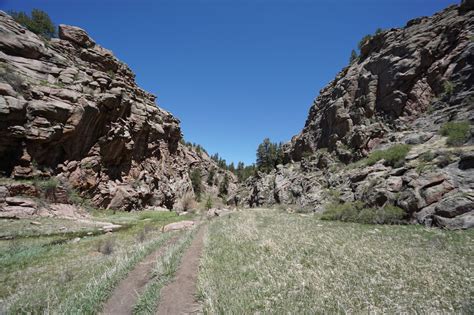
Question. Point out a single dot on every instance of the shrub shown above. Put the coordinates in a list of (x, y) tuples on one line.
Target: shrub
[(224, 187), (48, 187), (390, 215), (355, 212), (187, 203), (448, 88), (208, 203), (74, 197), (39, 23), (367, 215), (342, 211), (427, 156), (106, 247), (393, 156), (457, 132)]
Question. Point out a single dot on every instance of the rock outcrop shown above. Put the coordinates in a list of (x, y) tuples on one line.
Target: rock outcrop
[(70, 109), (403, 87)]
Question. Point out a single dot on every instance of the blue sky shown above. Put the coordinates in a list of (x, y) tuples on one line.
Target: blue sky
[(233, 71)]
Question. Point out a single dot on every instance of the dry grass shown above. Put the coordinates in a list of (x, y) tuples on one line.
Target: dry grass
[(52, 274), (265, 261)]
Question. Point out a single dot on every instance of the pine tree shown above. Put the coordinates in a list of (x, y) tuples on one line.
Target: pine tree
[(210, 177), (224, 187), (240, 171), (269, 155), (208, 202), (196, 182), (353, 56), (39, 23)]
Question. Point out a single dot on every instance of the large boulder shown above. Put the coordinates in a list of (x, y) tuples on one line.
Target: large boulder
[(455, 205), (76, 35), (464, 221), (181, 225), (466, 161)]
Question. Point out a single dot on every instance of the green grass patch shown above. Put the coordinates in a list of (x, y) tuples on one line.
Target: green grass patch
[(457, 132), (266, 262)]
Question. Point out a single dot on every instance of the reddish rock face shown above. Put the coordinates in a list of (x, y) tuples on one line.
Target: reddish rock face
[(406, 84), (71, 109), (398, 76)]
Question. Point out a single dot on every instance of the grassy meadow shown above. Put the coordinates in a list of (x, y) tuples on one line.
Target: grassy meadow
[(268, 261), (46, 268)]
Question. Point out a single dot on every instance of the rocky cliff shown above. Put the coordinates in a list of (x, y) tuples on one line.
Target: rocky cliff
[(71, 110), (403, 87)]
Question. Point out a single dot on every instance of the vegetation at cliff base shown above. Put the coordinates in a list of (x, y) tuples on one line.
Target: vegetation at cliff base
[(357, 212)]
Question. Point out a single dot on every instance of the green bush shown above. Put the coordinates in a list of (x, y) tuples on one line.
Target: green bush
[(48, 187), (448, 87), (390, 215), (355, 212), (208, 203), (39, 23), (342, 211), (197, 183), (427, 156), (367, 216), (393, 156), (224, 186), (457, 132)]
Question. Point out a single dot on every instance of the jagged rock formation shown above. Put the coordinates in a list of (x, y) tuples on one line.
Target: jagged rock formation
[(406, 83), (70, 109)]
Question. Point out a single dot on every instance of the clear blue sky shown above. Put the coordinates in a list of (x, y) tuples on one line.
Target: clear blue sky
[(233, 71)]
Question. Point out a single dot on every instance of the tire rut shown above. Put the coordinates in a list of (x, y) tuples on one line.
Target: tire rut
[(179, 296), (126, 294)]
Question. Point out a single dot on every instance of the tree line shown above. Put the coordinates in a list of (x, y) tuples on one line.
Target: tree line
[(37, 22)]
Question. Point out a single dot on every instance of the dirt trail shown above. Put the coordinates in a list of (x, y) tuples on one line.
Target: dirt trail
[(125, 295), (178, 297)]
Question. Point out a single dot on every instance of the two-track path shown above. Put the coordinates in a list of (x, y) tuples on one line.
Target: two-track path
[(179, 296), (126, 294)]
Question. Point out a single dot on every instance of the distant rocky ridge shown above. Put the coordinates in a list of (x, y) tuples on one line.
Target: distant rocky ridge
[(71, 110), (404, 86)]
